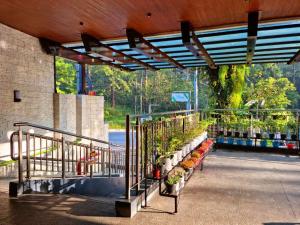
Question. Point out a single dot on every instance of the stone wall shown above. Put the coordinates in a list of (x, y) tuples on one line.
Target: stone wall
[(65, 112), (90, 117), (23, 67)]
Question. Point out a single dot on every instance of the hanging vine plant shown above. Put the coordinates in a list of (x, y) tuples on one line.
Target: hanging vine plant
[(229, 85)]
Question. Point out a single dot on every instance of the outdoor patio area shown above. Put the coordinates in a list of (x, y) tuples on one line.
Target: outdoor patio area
[(234, 188)]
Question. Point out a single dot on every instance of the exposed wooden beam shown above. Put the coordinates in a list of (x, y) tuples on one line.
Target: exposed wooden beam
[(192, 43), (253, 18), (141, 45), (93, 45), (295, 58), (55, 48)]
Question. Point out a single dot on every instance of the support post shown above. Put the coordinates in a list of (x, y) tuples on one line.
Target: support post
[(146, 162), (83, 79), (109, 161), (196, 90), (137, 154), (28, 156), (127, 160), (91, 166), (63, 165), (20, 155)]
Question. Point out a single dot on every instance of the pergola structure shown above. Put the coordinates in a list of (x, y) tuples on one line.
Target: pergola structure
[(135, 35)]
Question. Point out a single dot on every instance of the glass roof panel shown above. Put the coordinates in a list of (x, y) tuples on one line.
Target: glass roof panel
[(278, 46), (223, 37), (276, 40), (222, 45), (273, 56), (237, 49)]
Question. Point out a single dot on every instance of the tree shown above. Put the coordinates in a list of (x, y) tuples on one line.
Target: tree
[(65, 76), (228, 83), (111, 82), (272, 91)]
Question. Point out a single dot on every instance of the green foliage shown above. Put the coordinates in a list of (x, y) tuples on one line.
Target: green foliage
[(65, 76), (116, 116), (223, 72), (271, 91), (173, 179)]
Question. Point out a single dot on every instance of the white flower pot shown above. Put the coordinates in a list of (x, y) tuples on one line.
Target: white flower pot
[(181, 182), (168, 164), (179, 155), (177, 187), (174, 160)]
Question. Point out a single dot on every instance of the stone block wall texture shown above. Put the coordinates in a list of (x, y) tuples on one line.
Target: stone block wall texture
[(65, 112), (23, 67), (90, 117)]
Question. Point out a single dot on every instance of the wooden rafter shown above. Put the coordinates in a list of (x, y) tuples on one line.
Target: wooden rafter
[(141, 45), (253, 18), (295, 58), (55, 48), (192, 43), (93, 45)]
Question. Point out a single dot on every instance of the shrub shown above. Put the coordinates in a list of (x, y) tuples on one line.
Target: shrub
[(196, 154), (187, 164)]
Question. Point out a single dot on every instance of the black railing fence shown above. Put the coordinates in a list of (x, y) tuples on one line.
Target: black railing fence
[(153, 138)]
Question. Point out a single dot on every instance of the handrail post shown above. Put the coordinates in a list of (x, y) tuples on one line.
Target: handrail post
[(109, 161), (63, 168), (137, 154), (127, 160), (28, 155), (20, 156), (91, 165), (146, 161)]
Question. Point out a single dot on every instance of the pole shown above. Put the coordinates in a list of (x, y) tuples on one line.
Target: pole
[(127, 160), (28, 155), (196, 90), (20, 155), (63, 168), (137, 162), (54, 74)]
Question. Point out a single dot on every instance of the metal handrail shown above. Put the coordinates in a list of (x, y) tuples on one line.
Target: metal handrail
[(209, 110), (162, 113), (22, 124)]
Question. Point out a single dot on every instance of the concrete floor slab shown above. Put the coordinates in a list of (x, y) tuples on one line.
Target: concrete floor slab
[(235, 188)]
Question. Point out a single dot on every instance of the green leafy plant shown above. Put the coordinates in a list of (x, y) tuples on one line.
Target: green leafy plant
[(173, 179)]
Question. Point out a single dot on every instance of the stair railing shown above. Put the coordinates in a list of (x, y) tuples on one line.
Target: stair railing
[(63, 154)]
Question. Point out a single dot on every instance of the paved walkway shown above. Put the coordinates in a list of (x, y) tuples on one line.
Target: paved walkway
[(234, 188)]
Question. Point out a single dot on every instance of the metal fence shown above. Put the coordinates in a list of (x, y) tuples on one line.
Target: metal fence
[(146, 138), (62, 154)]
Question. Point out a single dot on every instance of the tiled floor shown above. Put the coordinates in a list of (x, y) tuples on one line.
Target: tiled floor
[(234, 188)]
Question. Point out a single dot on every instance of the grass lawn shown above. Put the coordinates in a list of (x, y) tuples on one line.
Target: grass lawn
[(116, 116)]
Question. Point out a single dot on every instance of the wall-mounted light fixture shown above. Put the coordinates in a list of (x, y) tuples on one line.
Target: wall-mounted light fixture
[(17, 96)]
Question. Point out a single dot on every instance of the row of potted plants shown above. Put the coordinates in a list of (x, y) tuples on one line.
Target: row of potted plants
[(262, 143), (177, 177), (261, 135)]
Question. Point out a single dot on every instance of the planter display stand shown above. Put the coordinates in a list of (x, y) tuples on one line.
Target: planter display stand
[(163, 190)]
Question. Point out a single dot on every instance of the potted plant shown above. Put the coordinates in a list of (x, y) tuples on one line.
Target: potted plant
[(188, 166), (180, 172), (239, 142), (249, 142), (171, 183), (263, 143), (230, 140)]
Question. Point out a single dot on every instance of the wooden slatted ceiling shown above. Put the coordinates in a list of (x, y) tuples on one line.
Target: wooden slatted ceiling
[(108, 19)]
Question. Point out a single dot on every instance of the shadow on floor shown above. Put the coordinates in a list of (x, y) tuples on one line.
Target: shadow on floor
[(281, 223), (154, 210), (57, 209)]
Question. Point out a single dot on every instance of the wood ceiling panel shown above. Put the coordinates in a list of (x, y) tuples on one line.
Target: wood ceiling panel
[(108, 19)]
